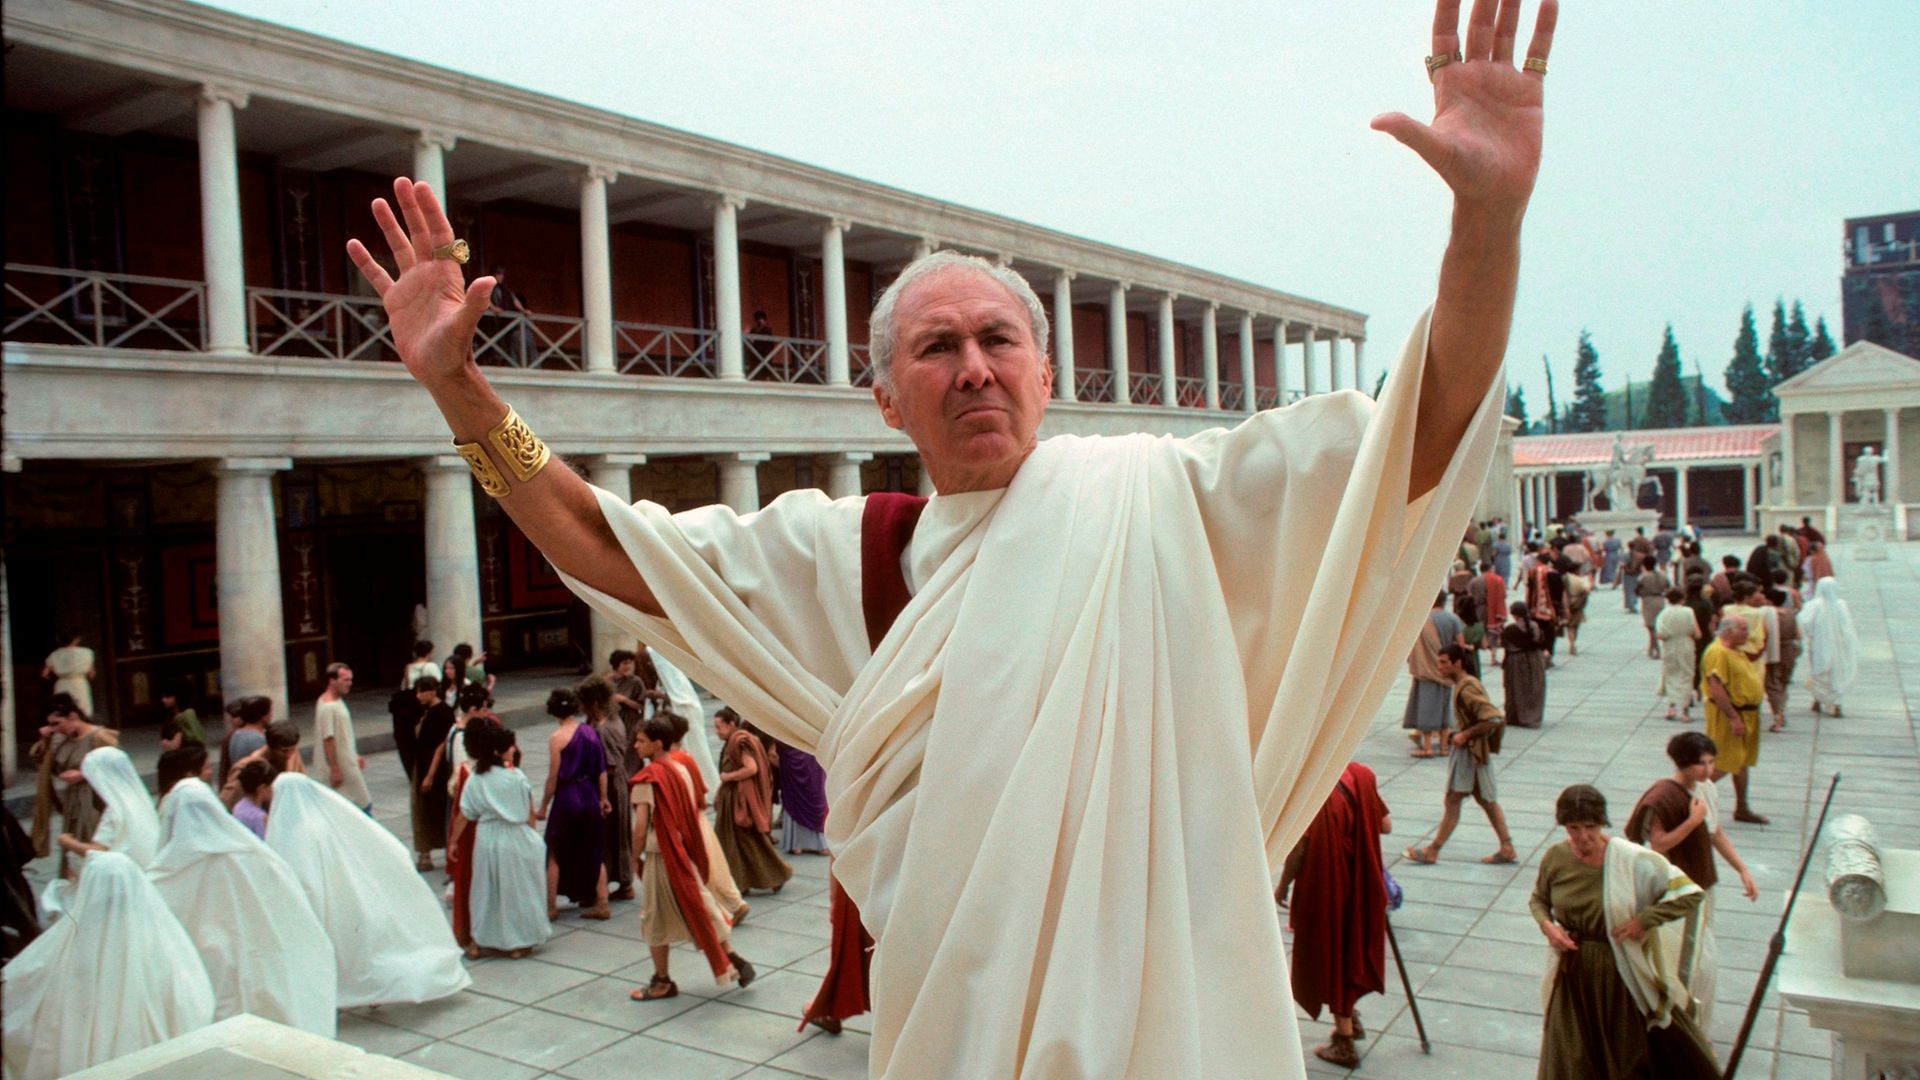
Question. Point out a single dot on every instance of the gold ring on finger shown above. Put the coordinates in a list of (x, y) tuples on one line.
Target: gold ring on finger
[(1536, 63), (1440, 60), (459, 252)]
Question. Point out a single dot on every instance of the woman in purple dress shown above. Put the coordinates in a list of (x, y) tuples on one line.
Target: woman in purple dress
[(803, 802), (575, 808)]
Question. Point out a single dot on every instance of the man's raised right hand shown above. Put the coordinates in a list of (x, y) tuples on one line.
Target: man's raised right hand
[(431, 310)]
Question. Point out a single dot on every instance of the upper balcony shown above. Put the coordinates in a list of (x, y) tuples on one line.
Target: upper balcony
[(197, 198)]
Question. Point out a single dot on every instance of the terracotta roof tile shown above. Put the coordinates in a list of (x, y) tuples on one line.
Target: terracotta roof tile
[(1671, 444)]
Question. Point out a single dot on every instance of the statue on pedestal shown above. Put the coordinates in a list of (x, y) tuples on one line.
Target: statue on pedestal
[(1622, 477), (1866, 477)]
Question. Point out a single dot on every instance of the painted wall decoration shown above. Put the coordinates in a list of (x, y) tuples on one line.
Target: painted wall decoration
[(189, 600)]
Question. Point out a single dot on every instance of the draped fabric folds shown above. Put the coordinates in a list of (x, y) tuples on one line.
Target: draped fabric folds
[(246, 912), (1046, 847), (1832, 644), (115, 974), (391, 941), (129, 824), (686, 701)]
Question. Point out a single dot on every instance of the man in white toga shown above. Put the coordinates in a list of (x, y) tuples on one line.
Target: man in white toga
[(1113, 701)]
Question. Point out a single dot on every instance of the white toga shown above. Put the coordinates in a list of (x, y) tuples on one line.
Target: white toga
[(1123, 687)]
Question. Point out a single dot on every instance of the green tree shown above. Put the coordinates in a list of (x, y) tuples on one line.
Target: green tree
[(1799, 344), (1553, 404), (1747, 386), (1378, 385), (1589, 409), (1517, 406), (1666, 395), (1821, 346), (1780, 356)]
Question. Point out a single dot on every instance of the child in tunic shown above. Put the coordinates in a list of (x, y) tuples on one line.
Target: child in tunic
[(676, 904), (507, 905)]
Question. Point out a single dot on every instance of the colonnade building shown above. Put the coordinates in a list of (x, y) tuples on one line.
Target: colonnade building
[(217, 471)]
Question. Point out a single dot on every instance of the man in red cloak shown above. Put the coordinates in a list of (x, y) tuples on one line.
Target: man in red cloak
[(1339, 910)]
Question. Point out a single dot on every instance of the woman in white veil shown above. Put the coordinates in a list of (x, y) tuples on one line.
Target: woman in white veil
[(264, 948), (129, 824), (391, 941), (116, 974), (1832, 645)]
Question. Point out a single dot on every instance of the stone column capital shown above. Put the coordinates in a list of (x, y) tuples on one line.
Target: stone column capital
[(853, 457), (839, 224), (606, 174), (226, 93), (253, 466), (1122, 286), (729, 200), (1213, 307), (439, 140), (1064, 274), (1003, 259), (11, 463), (444, 463), (748, 458)]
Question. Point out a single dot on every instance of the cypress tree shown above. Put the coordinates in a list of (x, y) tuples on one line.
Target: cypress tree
[(1799, 344), (1779, 362), (1747, 386), (1553, 405), (1517, 406), (1821, 346), (1666, 395), (1589, 409)]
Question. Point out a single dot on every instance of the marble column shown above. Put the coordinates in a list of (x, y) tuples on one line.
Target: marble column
[(430, 161), (740, 481), (1836, 465), (1280, 361), (833, 296), (220, 236), (726, 285), (1360, 382), (1333, 363), (612, 473), (1310, 377), (1210, 352), (453, 555), (1682, 497), (596, 269), (1117, 342), (1250, 398), (253, 642), (1789, 493), (1747, 499), (1169, 386), (1063, 335), (843, 475), (1890, 492), (923, 247)]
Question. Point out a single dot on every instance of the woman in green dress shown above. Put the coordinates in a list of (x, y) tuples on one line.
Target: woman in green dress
[(1616, 916)]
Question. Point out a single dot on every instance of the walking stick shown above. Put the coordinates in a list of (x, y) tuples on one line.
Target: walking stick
[(1407, 984), (1779, 942)]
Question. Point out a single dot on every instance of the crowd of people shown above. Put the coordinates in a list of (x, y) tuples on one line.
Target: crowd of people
[(253, 874), (256, 875), (1628, 919)]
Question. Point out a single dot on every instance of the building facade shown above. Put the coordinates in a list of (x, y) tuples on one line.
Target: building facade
[(1880, 288), (217, 473), (1862, 397), (1711, 477)]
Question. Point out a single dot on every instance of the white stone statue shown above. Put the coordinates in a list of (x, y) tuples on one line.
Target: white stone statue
[(1622, 476), (1866, 477)]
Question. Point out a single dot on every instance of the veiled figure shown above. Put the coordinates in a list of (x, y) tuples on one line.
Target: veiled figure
[(117, 973), (247, 914)]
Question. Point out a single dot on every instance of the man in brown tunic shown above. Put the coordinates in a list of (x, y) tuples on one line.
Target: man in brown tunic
[(1476, 737)]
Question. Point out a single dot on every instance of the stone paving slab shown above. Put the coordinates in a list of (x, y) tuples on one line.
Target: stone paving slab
[(1471, 949)]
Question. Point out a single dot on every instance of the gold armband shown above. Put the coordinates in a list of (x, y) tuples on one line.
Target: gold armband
[(516, 444)]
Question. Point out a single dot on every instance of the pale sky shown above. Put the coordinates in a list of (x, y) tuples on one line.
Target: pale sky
[(1698, 155)]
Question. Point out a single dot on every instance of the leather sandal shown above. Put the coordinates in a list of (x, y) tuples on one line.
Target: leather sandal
[(659, 988), (1339, 1052), (742, 969)]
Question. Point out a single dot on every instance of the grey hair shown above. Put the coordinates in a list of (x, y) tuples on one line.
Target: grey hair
[(880, 341)]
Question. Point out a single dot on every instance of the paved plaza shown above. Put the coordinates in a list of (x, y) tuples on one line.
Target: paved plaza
[(1472, 951)]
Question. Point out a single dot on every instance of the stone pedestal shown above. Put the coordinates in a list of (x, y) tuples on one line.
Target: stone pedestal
[(1857, 974), (1622, 522), (1869, 526)]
